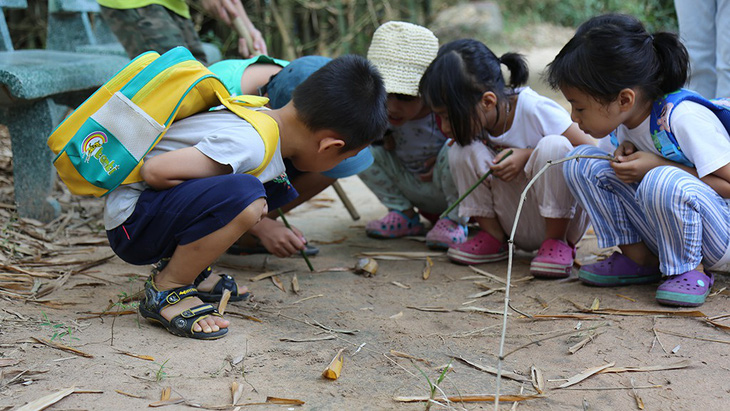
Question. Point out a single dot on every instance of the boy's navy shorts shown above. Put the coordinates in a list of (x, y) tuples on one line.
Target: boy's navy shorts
[(162, 220)]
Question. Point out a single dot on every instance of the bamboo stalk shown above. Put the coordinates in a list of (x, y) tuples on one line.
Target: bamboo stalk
[(242, 31)]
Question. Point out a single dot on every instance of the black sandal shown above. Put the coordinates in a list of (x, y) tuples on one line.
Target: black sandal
[(226, 282), (182, 324)]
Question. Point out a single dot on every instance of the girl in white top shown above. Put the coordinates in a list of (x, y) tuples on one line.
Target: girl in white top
[(668, 218), (488, 119)]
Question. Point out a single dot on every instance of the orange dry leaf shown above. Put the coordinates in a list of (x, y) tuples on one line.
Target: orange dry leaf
[(277, 282), (427, 268), (284, 401), (333, 370)]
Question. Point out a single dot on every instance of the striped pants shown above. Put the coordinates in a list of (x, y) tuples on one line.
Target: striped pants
[(680, 218)]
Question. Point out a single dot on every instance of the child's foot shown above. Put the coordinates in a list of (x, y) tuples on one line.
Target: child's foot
[(206, 325), (618, 270), (446, 233), (553, 260), (181, 312), (210, 287), (394, 225), (685, 290), (483, 248)]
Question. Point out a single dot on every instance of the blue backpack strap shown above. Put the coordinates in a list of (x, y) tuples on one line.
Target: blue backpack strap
[(660, 129), (663, 138), (614, 139)]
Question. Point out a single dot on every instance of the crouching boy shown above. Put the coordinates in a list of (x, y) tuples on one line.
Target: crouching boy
[(197, 198)]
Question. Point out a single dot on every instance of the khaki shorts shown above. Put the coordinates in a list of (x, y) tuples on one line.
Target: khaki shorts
[(153, 28)]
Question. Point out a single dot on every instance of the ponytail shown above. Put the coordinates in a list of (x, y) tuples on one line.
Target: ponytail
[(613, 52), (517, 66), (461, 73), (673, 60)]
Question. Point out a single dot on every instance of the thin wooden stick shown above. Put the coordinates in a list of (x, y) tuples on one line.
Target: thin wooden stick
[(472, 188), (511, 243), (304, 255), (346, 200)]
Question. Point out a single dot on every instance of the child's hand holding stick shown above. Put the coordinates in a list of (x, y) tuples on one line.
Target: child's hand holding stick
[(304, 255), (472, 188)]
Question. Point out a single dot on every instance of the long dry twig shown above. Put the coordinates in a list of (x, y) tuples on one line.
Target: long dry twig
[(511, 243)]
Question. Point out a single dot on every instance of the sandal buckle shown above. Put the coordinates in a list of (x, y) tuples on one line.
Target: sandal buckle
[(172, 298)]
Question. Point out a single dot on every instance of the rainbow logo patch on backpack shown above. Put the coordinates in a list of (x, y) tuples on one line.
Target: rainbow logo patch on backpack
[(91, 146)]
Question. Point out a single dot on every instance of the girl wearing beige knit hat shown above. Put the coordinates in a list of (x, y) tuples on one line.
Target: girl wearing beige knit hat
[(411, 168)]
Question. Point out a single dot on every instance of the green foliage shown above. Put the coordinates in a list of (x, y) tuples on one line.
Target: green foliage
[(124, 296), (59, 330), (657, 15), (160, 374), (294, 28), (432, 387)]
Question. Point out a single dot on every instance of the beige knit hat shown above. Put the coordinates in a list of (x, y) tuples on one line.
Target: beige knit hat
[(401, 52)]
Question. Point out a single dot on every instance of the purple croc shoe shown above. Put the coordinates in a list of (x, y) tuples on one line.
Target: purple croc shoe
[(685, 290), (618, 270)]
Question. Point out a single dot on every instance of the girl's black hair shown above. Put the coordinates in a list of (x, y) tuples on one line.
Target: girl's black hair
[(461, 73), (612, 52)]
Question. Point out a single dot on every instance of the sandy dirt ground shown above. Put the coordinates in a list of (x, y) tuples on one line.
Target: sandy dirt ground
[(398, 331)]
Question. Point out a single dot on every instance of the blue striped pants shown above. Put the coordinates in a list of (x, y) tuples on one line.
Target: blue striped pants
[(681, 219)]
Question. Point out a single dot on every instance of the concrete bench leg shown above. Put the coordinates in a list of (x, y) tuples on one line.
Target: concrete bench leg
[(29, 126)]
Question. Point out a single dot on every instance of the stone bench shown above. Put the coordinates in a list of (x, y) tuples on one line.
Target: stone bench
[(35, 88)]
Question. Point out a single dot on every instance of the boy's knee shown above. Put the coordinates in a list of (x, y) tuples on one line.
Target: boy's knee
[(254, 212)]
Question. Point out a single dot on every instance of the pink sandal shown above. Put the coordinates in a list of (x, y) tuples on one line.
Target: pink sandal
[(483, 248), (553, 260), (446, 233), (394, 225)]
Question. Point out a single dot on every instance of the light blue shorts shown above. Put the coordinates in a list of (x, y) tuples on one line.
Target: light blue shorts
[(231, 71)]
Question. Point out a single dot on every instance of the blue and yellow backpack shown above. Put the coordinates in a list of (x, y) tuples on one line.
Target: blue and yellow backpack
[(660, 124), (102, 144)]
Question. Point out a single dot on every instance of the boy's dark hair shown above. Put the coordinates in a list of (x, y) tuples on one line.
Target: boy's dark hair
[(461, 73), (347, 96), (612, 52)]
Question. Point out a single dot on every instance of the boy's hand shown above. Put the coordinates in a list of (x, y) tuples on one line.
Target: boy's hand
[(633, 167), (512, 166), (277, 239), (428, 175)]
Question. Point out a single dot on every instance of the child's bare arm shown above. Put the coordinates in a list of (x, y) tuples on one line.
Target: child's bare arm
[(172, 168), (719, 181), (577, 137)]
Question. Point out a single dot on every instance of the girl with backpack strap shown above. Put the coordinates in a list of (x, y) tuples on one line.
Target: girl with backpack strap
[(669, 217)]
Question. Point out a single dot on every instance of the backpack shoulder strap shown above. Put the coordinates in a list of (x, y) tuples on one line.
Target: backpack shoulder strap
[(660, 126), (263, 123)]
